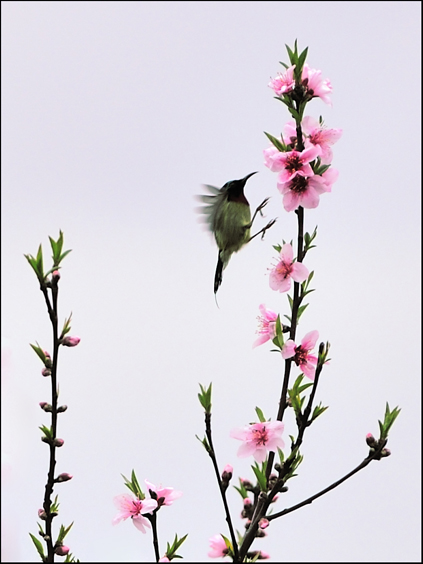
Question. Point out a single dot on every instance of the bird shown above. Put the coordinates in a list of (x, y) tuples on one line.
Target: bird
[(228, 215)]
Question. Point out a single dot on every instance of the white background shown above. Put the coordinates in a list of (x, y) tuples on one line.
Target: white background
[(113, 115)]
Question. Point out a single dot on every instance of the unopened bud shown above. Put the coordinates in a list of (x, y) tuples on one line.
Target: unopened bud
[(264, 523), (62, 408), (46, 406), (46, 371), (55, 277), (247, 484), (258, 555), (64, 477), (371, 441), (227, 475), (61, 550), (42, 514), (385, 452), (58, 442), (70, 341)]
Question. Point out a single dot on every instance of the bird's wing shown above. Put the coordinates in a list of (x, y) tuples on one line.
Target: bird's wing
[(214, 203)]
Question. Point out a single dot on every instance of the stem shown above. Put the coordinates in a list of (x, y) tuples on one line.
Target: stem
[(221, 488), (53, 314), (309, 500), (153, 521)]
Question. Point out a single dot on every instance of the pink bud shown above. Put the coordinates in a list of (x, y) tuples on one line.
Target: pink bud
[(264, 523), (61, 550), (62, 408), (42, 514), (58, 442), (229, 469), (371, 441), (164, 559), (45, 406), (247, 501), (64, 477), (70, 341), (46, 372), (47, 354), (56, 275)]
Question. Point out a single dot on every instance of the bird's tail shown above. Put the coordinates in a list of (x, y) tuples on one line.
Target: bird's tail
[(218, 274)]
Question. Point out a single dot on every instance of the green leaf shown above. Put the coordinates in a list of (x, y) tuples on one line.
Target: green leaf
[(261, 477), (301, 310), (302, 58), (38, 546), (291, 55), (280, 145), (63, 532), (205, 397), (39, 352), (260, 415), (294, 114)]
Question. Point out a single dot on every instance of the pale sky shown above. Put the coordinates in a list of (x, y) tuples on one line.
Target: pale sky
[(113, 116)]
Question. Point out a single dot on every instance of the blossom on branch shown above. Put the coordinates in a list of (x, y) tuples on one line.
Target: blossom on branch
[(311, 79), (305, 190), (280, 276), (164, 496), (135, 508), (218, 547), (301, 353), (283, 83), (314, 133), (267, 325), (259, 438)]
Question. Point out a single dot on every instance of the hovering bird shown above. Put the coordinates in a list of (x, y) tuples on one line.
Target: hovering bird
[(228, 216)]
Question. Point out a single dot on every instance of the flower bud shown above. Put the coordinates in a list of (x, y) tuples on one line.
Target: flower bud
[(55, 277), (227, 475), (371, 441), (61, 550), (64, 477), (62, 408), (247, 484), (46, 406), (70, 341), (164, 559), (264, 523), (385, 452), (258, 555), (46, 371), (42, 514), (58, 442)]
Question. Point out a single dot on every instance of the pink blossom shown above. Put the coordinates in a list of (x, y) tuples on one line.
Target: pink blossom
[(305, 191), (218, 547), (64, 477), (164, 559), (292, 163), (280, 276), (267, 325), (132, 507), (314, 134), (70, 341), (283, 83), (259, 438), (315, 85), (302, 357), (165, 496)]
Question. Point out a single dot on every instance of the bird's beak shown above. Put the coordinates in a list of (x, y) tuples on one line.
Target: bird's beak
[(248, 176)]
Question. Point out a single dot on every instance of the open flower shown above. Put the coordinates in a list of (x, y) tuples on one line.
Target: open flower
[(302, 357), (314, 133), (267, 325), (305, 191), (292, 163), (280, 276), (283, 83), (135, 508), (218, 547), (164, 496), (259, 438), (316, 87)]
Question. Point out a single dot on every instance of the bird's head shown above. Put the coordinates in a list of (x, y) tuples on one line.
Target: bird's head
[(235, 189)]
